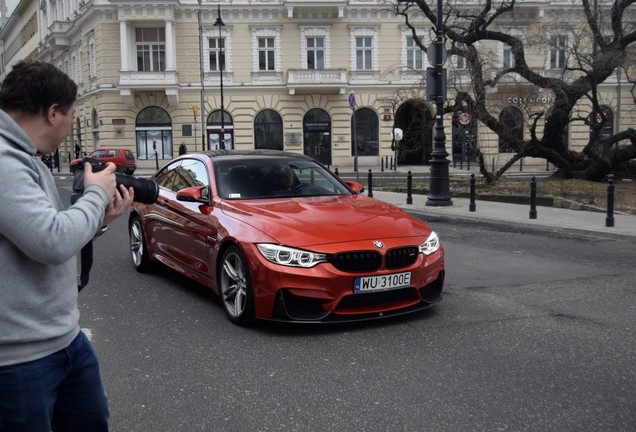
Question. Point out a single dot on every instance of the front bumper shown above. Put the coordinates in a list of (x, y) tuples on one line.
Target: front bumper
[(326, 294), (357, 307)]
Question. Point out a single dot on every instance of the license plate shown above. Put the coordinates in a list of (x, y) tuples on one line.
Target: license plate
[(382, 283)]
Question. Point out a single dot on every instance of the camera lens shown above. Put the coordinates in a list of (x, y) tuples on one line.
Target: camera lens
[(146, 190)]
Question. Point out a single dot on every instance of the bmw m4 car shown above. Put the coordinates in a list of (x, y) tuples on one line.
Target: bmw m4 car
[(280, 237)]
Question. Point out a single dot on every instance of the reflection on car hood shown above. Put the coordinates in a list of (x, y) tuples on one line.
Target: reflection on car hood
[(310, 221)]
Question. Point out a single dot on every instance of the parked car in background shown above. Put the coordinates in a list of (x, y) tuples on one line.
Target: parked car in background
[(124, 159), (280, 237)]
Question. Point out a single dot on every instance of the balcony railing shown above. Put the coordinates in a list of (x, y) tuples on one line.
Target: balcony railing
[(132, 81), (57, 36), (316, 79), (143, 79)]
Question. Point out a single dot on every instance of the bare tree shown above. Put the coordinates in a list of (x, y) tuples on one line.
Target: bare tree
[(599, 44)]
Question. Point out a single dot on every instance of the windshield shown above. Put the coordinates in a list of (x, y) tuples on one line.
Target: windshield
[(268, 177)]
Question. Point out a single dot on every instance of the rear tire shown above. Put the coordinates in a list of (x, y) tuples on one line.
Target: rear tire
[(138, 247), (235, 284)]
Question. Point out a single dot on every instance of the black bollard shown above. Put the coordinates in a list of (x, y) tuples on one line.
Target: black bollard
[(336, 172), (157, 160), (609, 220), (381, 165), (472, 207), (409, 188), (370, 183), (533, 198)]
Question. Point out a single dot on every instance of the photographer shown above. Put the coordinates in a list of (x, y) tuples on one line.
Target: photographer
[(49, 374)]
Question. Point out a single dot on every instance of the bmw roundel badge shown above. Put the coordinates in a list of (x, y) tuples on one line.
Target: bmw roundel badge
[(378, 244)]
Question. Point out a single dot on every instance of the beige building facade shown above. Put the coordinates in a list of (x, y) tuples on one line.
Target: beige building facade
[(287, 75)]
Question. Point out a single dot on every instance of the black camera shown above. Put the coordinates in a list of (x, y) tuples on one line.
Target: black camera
[(146, 190)]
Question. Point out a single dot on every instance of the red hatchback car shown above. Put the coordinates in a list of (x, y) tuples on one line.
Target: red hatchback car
[(279, 237), (124, 159)]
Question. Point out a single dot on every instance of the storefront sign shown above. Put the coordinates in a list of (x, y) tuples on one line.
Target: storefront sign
[(530, 100), (119, 121)]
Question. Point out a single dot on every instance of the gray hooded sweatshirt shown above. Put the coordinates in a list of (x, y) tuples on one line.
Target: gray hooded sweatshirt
[(39, 240)]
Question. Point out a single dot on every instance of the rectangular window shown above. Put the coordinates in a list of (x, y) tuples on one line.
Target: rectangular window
[(92, 70), (364, 53), (460, 62), (508, 59), (315, 53), (151, 49), (414, 55), (266, 52), (216, 54), (558, 51)]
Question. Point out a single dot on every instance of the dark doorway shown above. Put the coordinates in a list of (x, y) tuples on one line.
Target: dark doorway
[(416, 122), (317, 135)]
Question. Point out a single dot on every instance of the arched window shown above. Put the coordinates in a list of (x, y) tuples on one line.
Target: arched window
[(268, 130), (366, 132), (512, 120), (95, 121), (215, 127), (464, 136), (153, 129), (566, 130), (606, 120)]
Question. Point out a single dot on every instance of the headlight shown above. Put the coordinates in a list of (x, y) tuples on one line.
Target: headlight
[(287, 256), (431, 245)]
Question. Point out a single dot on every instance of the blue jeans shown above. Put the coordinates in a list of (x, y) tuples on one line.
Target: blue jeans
[(61, 392)]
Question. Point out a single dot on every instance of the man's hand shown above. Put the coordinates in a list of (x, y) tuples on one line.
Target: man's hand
[(122, 201), (104, 178), (122, 198)]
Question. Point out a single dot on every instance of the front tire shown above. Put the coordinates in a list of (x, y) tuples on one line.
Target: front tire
[(236, 287), (138, 247)]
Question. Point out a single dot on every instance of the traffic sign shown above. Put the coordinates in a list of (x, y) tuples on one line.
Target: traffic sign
[(436, 53)]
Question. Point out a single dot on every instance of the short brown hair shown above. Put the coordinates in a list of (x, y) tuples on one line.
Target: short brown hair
[(33, 86)]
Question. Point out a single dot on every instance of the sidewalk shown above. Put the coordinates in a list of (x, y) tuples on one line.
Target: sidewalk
[(548, 218)]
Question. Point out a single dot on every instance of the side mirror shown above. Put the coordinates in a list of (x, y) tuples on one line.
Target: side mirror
[(355, 186), (198, 194)]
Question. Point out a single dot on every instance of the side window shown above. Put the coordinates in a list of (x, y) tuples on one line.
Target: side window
[(165, 177), (190, 173)]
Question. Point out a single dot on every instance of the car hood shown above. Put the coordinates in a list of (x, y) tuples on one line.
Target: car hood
[(309, 221)]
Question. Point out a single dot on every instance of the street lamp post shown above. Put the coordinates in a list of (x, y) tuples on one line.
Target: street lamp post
[(439, 191), (219, 23), (203, 124)]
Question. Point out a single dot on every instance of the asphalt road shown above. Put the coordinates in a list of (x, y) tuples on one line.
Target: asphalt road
[(535, 333)]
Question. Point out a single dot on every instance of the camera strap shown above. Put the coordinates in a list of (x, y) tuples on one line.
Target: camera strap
[(86, 262)]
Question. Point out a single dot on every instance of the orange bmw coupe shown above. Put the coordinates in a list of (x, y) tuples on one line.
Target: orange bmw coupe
[(280, 237)]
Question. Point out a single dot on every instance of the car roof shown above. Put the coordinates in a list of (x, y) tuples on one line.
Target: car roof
[(238, 154)]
